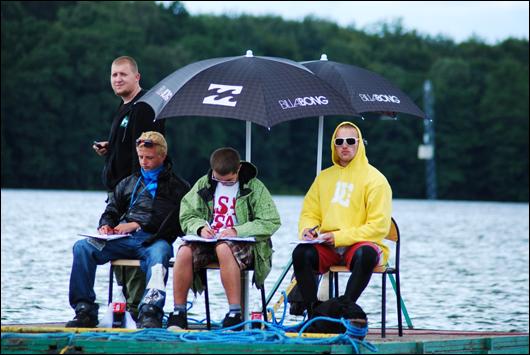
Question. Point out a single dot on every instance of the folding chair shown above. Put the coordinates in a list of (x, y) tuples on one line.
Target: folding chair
[(394, 236)]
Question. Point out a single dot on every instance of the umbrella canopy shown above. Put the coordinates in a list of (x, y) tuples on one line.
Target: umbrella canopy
[(365, 90), (263, 90)]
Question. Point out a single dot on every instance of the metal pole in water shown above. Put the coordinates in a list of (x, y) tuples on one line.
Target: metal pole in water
[(426, 150)]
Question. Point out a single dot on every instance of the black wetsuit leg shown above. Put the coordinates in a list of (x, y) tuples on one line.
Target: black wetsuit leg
[(362, 266), (305, 263)]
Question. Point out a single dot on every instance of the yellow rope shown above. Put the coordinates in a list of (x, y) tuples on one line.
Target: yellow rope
[(65, 349)]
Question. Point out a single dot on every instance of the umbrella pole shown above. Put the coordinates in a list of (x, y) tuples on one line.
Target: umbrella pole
[(248, 139), (323, 290), (319, 143), (245, 284)]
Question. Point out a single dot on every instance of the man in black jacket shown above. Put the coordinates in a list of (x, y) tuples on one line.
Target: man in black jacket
[(129, 122), (145, 204)]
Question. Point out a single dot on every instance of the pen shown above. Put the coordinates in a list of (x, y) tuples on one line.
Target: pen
[(211, 228), (311, 231)]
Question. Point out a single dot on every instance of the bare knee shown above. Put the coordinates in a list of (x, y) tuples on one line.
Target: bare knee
[(184, 258), (222, 250)]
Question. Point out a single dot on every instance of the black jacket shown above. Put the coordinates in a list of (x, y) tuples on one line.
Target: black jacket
[(128, 124), (159, 216)]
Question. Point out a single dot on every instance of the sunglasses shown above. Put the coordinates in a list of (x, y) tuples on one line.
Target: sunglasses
[(349, 141), (148, 143), (225, 183)]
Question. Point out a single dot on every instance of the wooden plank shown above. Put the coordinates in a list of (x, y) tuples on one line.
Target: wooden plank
[(125, 262), (111, 343), (121, 347), (34, 345)]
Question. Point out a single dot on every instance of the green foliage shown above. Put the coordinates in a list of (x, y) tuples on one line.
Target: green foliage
[(56, 97)]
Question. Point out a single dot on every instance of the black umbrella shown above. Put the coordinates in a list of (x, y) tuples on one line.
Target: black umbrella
[(263, 90), (365, 90)]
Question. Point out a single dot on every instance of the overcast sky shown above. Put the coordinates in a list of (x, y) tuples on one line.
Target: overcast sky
[(491, 21)]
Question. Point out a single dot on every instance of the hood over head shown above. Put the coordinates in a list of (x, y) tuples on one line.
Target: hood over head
[(360, 157)]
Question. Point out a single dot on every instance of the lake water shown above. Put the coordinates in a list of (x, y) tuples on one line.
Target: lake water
[(464, 264)]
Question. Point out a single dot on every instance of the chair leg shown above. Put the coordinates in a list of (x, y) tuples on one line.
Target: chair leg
[(330, 283), (398, 296), (336, 284), (111, 282), (263, 303), (383, 307), (207, 299)]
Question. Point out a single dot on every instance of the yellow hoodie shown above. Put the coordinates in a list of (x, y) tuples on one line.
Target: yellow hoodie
[(353, 202)]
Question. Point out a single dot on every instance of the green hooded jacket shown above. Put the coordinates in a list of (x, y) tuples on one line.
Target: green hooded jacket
[(255, 211)]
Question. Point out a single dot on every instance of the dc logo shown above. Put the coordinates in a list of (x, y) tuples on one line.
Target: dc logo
[(343, 192), (222, 101)]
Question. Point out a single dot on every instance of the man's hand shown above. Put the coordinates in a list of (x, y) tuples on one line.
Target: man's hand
[(309, 233), (328, 238), (230, 232), (125, 228), (207, 232), (101, 148), (106, 229)]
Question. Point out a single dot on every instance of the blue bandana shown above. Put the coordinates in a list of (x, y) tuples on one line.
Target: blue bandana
[(151, 179)]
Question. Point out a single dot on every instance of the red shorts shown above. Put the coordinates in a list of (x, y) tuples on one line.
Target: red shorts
[(328, 255)]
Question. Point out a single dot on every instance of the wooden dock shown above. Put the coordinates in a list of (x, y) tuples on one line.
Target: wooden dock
[(53, 338)]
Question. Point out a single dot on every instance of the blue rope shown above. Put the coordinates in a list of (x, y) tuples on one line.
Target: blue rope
[(271, 335)]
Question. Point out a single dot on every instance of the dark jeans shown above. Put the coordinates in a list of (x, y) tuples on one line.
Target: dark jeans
[(154, 260)]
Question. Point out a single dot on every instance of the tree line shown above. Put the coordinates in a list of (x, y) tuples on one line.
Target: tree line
[(57, 99)]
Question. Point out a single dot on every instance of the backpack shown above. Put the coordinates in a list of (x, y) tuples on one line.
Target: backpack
[(339, 307)]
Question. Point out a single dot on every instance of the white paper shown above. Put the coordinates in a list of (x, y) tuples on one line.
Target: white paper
[(105, 236), (196, 238), (312, 241)]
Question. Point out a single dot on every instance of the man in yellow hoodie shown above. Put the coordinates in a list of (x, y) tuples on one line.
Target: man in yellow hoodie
[(348, 207)]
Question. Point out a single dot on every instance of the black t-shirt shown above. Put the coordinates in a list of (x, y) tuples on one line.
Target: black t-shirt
[(128, 124)]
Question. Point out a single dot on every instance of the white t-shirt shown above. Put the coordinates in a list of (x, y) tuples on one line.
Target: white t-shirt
[(224, 207)]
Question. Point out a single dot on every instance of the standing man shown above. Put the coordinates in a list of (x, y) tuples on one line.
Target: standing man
[(145, 204), (349, 207), (129, 122)]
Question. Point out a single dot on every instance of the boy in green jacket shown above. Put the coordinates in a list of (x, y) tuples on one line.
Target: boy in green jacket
[(229, 201)]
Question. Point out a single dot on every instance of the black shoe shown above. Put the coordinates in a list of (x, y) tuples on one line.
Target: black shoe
[(178, 319), (86, 316), (150, 317), (232, 319)]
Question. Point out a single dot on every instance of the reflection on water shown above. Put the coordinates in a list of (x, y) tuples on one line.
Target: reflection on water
[(464, 264)]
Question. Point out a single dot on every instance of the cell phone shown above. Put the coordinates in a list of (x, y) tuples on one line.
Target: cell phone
[(98, 145)]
